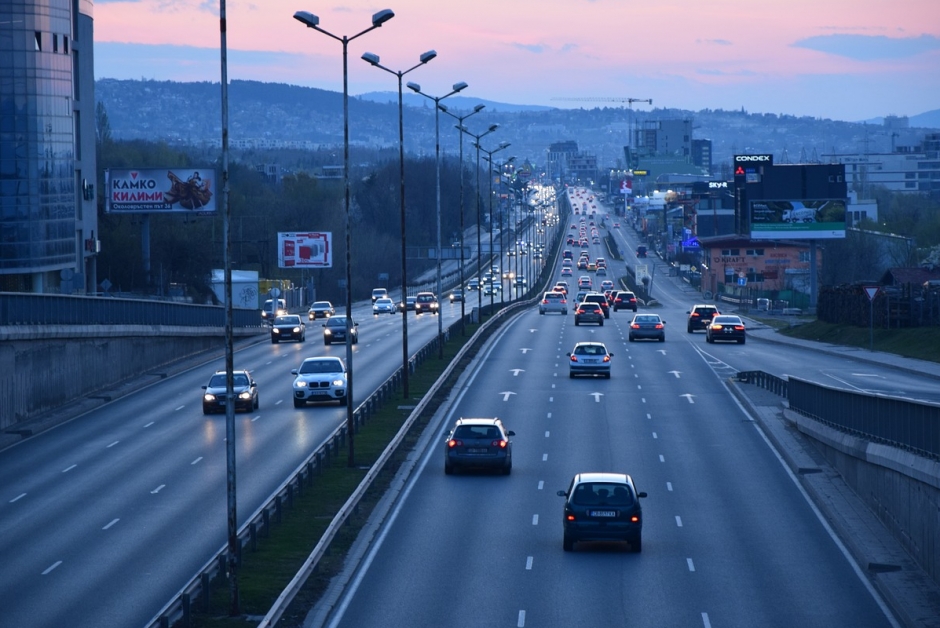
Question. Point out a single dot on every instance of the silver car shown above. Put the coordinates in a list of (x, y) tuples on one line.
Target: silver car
[(383, 305), (589, 358), (320, 379), (554, 302)]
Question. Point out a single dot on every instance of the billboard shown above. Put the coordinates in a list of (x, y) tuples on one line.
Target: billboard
[(312, 249), (161, 190), (797, 219)]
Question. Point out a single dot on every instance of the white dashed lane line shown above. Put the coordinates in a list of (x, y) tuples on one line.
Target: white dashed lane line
[(111, 523)]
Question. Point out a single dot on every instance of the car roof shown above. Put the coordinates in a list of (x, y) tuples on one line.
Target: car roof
[(588, 343), (618, 478), (478, 421), (724, 317), (322, 304)]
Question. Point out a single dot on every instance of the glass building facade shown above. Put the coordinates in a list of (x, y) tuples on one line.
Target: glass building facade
[(46, 239)]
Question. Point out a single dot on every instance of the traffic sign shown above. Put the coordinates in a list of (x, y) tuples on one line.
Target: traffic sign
[(871, 291)]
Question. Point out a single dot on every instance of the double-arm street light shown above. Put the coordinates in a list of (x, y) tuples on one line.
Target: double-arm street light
[(476, 143), (437, 142), (312, 21), (374, 60), (490, 169), (463, 298)]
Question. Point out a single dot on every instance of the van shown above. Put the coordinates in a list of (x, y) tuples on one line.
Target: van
[(268, 311), (378, 293)]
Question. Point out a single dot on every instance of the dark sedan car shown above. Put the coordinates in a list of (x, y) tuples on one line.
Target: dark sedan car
[(478, 443), (647, 327), (602, 507), (288, 327), (700, 316), (726, 327), (334, 330), (624, 299), (243, 387), (589, 312)]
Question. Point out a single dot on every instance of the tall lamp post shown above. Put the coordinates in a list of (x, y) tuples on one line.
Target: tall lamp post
[(457, 87), (463, 299), (373, 59), (478, 137), (489, 161), (312, 21)]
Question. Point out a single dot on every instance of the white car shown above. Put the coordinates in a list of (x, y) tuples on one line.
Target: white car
[(320, 379), (383, 305)]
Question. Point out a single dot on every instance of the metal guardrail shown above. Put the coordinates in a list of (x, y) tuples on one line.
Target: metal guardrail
[(907, 424), (18, 308)]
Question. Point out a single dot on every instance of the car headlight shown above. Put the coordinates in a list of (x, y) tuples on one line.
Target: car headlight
[(244, 395), (208, 398), (296, 330), (300, 383), (339, 382), (327, 332), (275, 331)]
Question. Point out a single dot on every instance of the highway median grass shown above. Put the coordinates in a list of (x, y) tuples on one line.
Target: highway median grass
[(266, 571), (914, 342)]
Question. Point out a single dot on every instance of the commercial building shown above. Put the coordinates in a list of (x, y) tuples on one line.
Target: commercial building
[(48, 209)]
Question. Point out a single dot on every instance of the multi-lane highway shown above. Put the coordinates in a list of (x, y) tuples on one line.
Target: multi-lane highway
[(104, 518), (730, 539)]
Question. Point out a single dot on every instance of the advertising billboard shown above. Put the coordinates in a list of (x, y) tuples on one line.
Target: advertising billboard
[(161, 190), (312, 249), (797, 219)]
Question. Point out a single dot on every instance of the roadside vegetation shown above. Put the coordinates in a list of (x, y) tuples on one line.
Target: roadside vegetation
[(917, 342)]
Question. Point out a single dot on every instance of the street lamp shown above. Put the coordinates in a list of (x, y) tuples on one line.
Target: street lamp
[(457, 87), (464, 129), (373, 59), (312, 21), (460, 119), (489, 161)]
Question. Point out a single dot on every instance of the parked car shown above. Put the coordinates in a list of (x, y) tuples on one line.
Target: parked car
[(589, 358), (647, 327), (553, 302), (726, 328), (588, 312), (602, 507), (384, 305), (334, 330), (289, 327), (624, 299), (378, 293), (478, 443), (244, 389), (700, 316), (320, 379), (320, 309), (426, 303)]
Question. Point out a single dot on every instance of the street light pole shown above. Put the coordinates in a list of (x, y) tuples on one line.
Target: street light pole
[(478, 137), (489, 161), (457, 87), (312, 21), (373, 59), (463, 290)]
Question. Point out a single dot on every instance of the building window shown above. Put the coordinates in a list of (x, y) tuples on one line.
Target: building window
[(65, 44), (729, 252), (55, 42), (755, 252), (804, 256), (38, 41)]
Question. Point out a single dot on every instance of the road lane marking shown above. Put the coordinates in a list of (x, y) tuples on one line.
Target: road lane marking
[(691, 566), (18, 498), (649, 416), (67, 469), (256, 418), (196, 461), (654, 435), (149, 424), (689, 397), (705, 622), (547, 433), (278, 402), (528, 563), (506, 394), (112, 444), (178, 408), (541, 484), (669, 486), (113, 521), (53, 566), (535, 520), (515, 372), (158, 489), (521, 622), (597, 396), (678, 521), (544, 457), (661, 458)]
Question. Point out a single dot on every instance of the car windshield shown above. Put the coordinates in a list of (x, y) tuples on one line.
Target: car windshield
[(602, 493), (287, 320), (727, 320), (337, 321), (321, 366), (322, 305), (590, 350), (218, 380), (466, 432), (425, 298), (647, 319)]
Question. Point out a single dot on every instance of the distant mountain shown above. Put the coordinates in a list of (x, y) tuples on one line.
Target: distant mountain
[(927, 120), (459, 103)]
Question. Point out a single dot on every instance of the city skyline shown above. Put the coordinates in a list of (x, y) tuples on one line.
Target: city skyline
[(843, 59)]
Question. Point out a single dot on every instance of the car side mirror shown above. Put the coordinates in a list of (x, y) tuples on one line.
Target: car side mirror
[(561, 494), (205, 387), (355, 324), (293, 371), (611, 354), (641, 494), (568, 354), (510, 433)]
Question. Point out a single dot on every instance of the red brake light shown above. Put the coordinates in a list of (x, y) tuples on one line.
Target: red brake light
[(739, 327), (695, 314), (635, 519), (564, 301), (659, 325), (570, 517), (606, 358), (574, 358), (635, 326), (454, 443), (499, 443)]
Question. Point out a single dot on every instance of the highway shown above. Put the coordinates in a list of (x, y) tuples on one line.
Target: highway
[(730, 538), (104, 518)]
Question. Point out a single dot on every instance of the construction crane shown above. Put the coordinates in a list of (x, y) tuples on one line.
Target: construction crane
[(629, 101)]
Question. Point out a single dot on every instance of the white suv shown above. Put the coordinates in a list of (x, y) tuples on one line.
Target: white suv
[(320, 379), (554, 302)]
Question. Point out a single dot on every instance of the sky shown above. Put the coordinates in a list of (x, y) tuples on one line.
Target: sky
[(841, 59)]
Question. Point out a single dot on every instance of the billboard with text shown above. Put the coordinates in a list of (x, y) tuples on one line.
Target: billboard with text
[(312, 249), (797, 219), (161, 190)]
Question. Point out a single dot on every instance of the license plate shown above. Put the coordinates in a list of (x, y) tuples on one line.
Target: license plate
[(476, 450), (603, 513)]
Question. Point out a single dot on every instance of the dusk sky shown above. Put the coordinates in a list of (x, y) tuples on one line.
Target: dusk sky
[(841, 59)]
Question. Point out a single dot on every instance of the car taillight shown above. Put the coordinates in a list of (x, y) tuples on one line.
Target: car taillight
[(635, 326), (635, 519), (569, 517), (739, 327), (574, 358), (606, 358), (454, 443), (659, 325), (499, 443), (563, 301), (580, 311), (544, 301), (632, 300), (694, 314), (716, 326)]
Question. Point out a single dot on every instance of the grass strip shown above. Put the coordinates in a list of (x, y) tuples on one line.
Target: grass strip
[(265, 572), (912, 342)]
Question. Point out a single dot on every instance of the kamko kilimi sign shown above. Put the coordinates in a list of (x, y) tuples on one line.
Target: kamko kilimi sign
[(161, 190)]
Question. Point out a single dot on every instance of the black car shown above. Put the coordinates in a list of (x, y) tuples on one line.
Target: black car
[(600, 299), (602, 507), (726, 327), (624, 299), (289, 327), (589, 312), (478, 443), (244, 389), (647, 326), (334, 330), (700, 316)]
